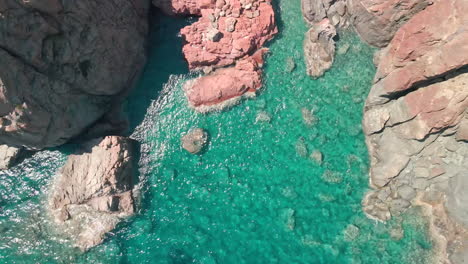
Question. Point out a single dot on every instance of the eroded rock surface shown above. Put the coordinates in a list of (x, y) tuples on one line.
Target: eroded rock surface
[(224, 87), (315, 11), (415, 122), (195, 140), (319, 48), (8, 156), (94, 190), (63, 65), (226, 41), (377, 21)]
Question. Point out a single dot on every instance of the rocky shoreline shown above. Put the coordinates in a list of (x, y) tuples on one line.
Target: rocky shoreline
[(69, 77), (415, 115)]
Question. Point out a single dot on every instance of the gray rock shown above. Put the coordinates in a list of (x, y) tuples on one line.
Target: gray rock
[(214, 35), (231, 24), (315, 11), (377, 21), (8, 156), (94, 190), (319, 48), (61, 69), (195, 140), (406, 192)]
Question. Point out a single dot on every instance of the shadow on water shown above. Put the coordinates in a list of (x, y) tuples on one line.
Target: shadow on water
[(164, 59)]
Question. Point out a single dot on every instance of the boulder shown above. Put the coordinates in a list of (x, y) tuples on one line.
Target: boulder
[(93, 191), (195, 140), (61, 69), (319, 48), (8, 156), (315, 11)]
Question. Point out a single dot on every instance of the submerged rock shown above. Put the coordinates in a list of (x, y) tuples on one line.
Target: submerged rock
[(195, 140), (287, 215), (94, 190), (351, 232), (308, 116), (301, 147), (319, 48), (317, 156), (263, 116)]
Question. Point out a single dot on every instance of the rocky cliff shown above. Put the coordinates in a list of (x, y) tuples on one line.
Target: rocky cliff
[(94, 190), (64, 64), (416, 123)]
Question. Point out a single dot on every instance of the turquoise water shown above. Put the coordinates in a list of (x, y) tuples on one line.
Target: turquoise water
[(255, 195)]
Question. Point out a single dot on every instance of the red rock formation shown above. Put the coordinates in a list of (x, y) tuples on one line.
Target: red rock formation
[(239, 35), (225, 86), (227, 33)]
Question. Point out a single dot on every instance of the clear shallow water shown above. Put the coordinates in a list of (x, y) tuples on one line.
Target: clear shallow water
[(255, 195)]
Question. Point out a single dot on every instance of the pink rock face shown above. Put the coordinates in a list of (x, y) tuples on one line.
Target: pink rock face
[(426, 47), (226, 84), (227, 33), (250, 31)]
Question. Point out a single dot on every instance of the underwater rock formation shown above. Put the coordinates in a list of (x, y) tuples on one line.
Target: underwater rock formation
[(227, 34), (64, 63), (319, 48), (415, 124), (94, 190)]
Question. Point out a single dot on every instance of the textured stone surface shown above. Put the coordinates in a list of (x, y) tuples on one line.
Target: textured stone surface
[(93, 191), (319, 48), (376, 21), (8, 156), (415, 122), (315, 11), (195, 140), (249, 35), (63, 64), (226, 86), (228, 34)]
